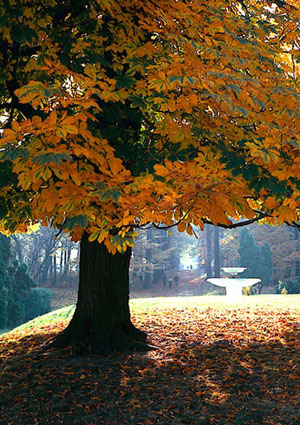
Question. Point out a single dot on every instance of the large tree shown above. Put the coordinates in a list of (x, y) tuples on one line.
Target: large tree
[(120, 115)]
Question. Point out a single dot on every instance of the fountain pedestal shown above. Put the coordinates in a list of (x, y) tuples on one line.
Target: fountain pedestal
[(234, 286)]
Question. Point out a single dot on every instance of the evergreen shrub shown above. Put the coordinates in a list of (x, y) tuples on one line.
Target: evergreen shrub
[(20, 301), (291, 286), (258, 260), (37, 302)]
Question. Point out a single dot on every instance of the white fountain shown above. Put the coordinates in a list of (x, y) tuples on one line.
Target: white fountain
[(234, 285)]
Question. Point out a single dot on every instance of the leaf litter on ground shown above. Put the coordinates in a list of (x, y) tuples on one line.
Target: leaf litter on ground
[(213, 366)]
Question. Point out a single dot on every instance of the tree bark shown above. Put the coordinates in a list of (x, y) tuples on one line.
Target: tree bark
[(208, 251), (148, 272), (217, 251), (54, 283), (101, 321), (18, 248)]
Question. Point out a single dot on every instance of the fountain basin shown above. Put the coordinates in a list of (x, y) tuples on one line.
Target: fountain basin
[(233, 270), (234, 287)]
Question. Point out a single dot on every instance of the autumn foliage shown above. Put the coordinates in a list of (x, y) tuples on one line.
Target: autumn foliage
[(119, 115)]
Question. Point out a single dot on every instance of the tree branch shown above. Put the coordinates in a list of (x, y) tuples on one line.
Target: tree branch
[(260, 216), (284, 5)]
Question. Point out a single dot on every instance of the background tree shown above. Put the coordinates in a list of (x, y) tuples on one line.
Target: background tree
[(37, 249), (249, 253), (257, 259), (167, 251), (19, 302), (267, 264), (5, 280), (209, 256), (217, 264), (281, 241)]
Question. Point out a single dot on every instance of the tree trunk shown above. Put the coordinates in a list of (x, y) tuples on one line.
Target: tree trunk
[(217, 251), (18, 248), (54, 283), (102, 319), (45, 270), (148, 272), (208, 251), (61, 266)]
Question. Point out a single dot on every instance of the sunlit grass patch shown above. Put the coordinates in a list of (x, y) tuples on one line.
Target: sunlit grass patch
[(202, 302), (144, 305)]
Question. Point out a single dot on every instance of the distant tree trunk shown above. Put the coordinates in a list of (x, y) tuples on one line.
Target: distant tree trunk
[(45, 270), (54, 282), (18, 248), (67, 257), (148, 273), (217, 251), (159, 271), (102, 319), (50, 270), (208, 251), (297, 261), (61, 266), (175, 255)]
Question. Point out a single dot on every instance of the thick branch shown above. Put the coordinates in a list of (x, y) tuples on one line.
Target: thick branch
[(294, 224), (25, 108), (261, 216), (284, 5)]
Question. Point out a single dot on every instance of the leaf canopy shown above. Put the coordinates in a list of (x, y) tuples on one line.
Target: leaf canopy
[(119, 115)]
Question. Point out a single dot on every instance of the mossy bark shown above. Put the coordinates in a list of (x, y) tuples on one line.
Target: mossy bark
[(101, 321)]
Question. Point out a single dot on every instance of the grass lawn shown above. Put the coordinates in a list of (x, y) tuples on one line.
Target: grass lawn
[(217, 363)]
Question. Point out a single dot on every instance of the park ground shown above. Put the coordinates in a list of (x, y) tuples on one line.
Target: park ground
[(215, 363)]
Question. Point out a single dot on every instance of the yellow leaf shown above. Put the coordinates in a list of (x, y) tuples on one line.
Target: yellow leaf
[(50, 204), (76, 177), (94, 236), (115, 166), (101, 237), (160, 170), (270, 202), (72, 129), (181, 226), (190, 230), (9, 135), (58, 173), (47, 173), (60, 132), (120, 249), (90, 72), (36, 185)]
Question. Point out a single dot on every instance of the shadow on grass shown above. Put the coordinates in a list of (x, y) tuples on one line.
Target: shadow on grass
[(185, 382)]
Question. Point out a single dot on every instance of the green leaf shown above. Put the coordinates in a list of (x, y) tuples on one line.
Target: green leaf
[(30, 34), (57, 158), (191, 80), (3, 20), (3, 208), (17, 34), (107, 194), (64, 59), (12, 154), (136, 101), (116, 239), (77, 220), (125, 81), (14, 12)]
